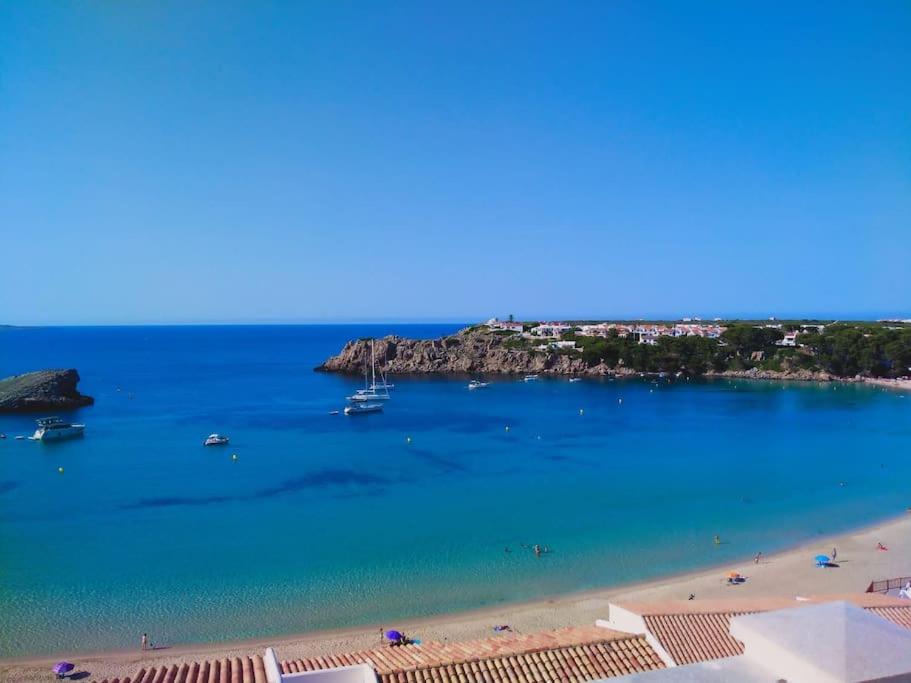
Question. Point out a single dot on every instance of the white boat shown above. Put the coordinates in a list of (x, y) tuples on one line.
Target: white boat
[(363, 408), (215, 440), (531, 378), (371, 390), (364, 395), (55, 429), (575, 379), (477, 384)]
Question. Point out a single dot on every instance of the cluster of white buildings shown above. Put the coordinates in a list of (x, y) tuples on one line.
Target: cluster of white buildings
[(649, 333), (644, 333)]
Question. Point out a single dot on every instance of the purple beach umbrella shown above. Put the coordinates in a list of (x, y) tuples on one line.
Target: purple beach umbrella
[(61, 668), (393, 635)]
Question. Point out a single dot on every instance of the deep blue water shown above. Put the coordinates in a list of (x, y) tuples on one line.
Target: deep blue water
[(328, 521)]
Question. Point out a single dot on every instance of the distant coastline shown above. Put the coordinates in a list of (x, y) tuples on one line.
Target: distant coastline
[(815, 351)]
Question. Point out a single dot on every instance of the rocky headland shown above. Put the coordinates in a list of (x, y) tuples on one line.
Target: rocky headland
[(469, 351), (480, 351), (42, 391)]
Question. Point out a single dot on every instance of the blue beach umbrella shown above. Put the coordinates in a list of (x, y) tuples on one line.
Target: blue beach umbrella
[(393, 635), (61, 668), (821, 560)]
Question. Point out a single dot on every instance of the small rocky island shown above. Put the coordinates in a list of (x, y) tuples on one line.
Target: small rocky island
[(42, 391)]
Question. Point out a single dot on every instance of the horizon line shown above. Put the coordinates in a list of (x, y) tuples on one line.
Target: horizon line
[(854, 317)]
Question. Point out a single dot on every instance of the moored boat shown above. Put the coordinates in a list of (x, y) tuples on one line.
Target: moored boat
[(215, 440), (531, 378), (363, 408), (477, 384), (364, 395), (372, 391), (55, 429)]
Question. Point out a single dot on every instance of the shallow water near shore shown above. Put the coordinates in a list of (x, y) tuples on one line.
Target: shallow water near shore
[(329, 521)]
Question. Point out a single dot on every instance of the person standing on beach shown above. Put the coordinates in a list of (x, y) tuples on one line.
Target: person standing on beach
[(144, 641), (834, 553)]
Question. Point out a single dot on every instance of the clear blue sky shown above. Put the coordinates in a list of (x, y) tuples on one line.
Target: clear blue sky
[(218, 161)]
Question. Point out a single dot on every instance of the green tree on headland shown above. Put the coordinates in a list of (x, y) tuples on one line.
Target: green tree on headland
[(844, 350)]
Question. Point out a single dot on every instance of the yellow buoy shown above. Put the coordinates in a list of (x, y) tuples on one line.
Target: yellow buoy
[(234, 457), (60, 469)]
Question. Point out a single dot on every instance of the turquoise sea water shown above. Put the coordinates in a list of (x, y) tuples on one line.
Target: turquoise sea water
[(328, 521)]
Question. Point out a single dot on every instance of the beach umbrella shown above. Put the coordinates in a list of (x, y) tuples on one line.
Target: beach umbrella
[(822, 559), (61, 668), (393, 635)]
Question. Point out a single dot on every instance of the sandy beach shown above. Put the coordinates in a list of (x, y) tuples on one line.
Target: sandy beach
[(786, 574), (900, 384)]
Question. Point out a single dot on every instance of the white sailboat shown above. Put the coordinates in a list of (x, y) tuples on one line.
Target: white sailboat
[(372, 391)]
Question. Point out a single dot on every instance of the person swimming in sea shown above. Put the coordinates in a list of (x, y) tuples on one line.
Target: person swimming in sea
[(717, 539)]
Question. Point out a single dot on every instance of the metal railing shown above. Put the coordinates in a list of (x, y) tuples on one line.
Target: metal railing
[(888, 584)]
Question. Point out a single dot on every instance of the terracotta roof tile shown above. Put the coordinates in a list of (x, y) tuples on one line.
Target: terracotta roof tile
[(236, 670), (701, 636), (897, 615), (572, 654)]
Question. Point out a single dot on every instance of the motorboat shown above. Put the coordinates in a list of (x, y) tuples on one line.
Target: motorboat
[(55, 429), (215, 440), (477, 384), (363, 408), (575, 379), (531, 378)]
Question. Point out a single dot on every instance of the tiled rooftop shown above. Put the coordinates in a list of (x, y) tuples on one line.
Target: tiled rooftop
[(234, 670), (569, 654), (695, 637), (695, 631), (574, 654)]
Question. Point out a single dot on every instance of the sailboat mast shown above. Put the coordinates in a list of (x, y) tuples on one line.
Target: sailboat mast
[(373, 363)]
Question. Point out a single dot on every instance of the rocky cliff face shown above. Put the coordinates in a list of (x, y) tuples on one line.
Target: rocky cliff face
[(470, 351), (480, 351), (42, 391)]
